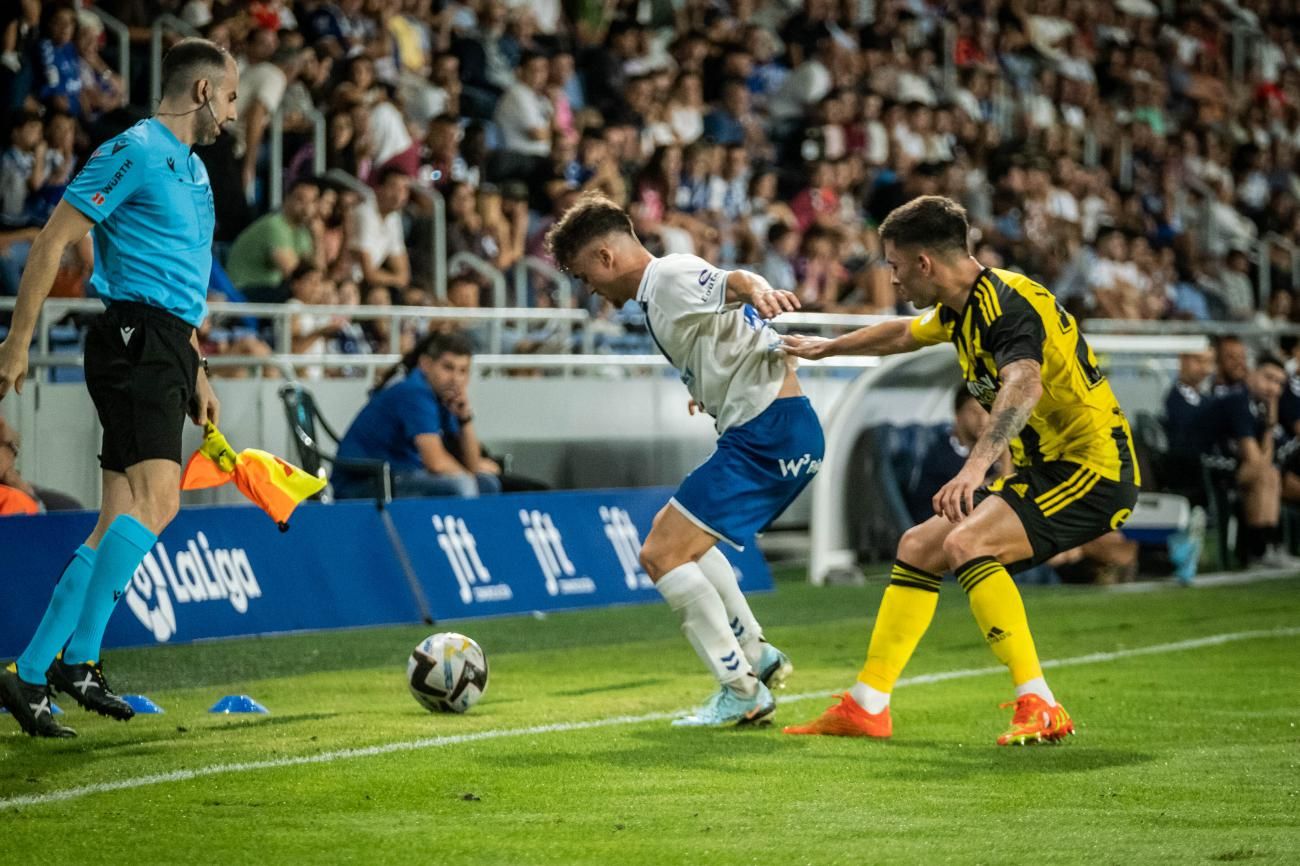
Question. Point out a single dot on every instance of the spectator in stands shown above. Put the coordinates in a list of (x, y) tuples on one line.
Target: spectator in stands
[(727, 124), (422, 425), (526, 117), (1233, 286), (378, 237), (60, 166), (778, 266), (1246, 418), (60, 72), (22, 168), (267, 252), (312, 333), (102, 90), (262, 84)]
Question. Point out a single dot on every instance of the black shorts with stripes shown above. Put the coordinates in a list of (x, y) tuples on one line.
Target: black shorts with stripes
[(1062, 505)]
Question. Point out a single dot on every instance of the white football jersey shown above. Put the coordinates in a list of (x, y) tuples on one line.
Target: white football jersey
[(727, 355)]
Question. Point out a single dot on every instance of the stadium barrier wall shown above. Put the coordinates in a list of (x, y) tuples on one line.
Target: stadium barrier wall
[(227, 571)]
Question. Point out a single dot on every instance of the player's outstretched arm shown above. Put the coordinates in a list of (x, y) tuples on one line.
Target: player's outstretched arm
[(887, 338), (752, 289), (1022, 385), (67, 225)]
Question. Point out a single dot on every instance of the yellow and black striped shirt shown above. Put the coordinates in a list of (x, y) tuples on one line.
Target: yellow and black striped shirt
[(1009, 317)]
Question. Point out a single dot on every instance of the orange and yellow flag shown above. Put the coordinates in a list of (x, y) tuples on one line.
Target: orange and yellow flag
[(269, 482)]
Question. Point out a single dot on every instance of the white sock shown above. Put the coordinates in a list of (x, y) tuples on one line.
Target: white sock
[(871, 700), (1037, 686), (744, 626), (704, 621)]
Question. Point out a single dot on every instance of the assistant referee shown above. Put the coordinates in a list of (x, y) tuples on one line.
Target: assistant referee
[(147, 200)]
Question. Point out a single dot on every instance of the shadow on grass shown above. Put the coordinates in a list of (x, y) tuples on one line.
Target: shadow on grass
[(613, 687)]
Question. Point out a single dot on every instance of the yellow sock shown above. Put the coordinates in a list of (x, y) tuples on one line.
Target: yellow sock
[(904, 615), (996, 603)]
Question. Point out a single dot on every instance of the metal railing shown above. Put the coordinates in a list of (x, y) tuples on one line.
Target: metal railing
[(123, 35), (275, 171), (281, 318), (162, 24), (1114, 337)]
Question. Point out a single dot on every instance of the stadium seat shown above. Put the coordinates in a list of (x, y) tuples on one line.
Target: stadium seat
[(304, 419)]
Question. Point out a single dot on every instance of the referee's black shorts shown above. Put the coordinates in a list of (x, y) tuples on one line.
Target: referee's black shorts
[(1062, 505), (141, 372)]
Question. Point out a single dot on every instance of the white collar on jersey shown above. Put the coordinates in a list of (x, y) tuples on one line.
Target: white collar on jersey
[(643, 290)]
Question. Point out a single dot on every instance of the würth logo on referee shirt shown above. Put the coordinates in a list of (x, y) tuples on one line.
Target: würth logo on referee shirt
[(98, 198)]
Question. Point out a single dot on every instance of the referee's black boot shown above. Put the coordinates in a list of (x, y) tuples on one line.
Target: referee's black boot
[(29, 704), (85, 684)]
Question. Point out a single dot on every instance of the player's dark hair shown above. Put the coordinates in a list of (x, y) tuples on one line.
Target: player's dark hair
[(434, 345), (1268, 359), (190, 60), (930, 222), (961, 397), (592, 216)]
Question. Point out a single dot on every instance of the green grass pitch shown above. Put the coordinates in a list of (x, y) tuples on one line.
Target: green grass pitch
[(1184, 755)]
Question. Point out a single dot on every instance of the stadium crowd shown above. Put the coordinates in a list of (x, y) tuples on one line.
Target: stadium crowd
[(1129, 154)]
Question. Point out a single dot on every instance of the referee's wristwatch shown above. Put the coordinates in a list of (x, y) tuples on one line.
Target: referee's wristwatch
[(203, 365)]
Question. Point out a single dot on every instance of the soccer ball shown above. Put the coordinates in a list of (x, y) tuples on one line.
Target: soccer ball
[(447, 673)]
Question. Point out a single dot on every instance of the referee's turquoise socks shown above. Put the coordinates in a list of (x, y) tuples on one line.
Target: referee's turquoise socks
[(60, 617), (120, 554)]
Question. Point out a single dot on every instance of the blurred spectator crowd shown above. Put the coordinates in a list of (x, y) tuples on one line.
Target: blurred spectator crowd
[(1138, 157)]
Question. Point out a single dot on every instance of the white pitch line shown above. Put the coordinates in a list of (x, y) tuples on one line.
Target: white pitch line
[(613, 721)]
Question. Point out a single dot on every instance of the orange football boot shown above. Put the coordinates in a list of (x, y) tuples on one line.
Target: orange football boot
[(1036, 721), (847, 719)]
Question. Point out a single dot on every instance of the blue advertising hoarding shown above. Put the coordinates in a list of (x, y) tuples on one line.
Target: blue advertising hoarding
[(540, 551), (218, 571), (227, 571)]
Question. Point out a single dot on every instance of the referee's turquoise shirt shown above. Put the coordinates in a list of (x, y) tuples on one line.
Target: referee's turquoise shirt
[(151, 203)]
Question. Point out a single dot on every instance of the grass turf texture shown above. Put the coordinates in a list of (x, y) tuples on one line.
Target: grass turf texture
[(1187, 756)]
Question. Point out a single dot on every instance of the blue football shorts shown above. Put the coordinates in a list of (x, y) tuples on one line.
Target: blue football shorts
[(758, 469)]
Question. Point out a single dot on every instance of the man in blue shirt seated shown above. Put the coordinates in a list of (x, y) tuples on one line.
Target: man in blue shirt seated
[(423, 427)]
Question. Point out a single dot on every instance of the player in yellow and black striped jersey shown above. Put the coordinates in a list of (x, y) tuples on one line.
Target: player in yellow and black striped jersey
[(1077, 449), (1023, 357)]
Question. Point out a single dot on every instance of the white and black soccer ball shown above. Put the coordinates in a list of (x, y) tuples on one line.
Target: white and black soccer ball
[(447, 673)]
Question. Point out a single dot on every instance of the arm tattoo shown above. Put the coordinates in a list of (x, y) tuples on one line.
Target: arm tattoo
[(1022, 386)]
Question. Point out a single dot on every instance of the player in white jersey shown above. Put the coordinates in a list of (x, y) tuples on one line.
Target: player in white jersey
[(711, 325)]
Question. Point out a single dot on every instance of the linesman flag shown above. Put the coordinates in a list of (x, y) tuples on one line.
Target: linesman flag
[(269, 482)]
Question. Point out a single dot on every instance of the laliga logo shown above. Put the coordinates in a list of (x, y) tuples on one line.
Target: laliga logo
[(622, 534), (458, 543), (199, 573), (548, 547)]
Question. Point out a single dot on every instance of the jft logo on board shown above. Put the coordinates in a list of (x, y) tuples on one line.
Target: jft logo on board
[(558, 570), (461, 549), (198, 573), (626, 541)]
